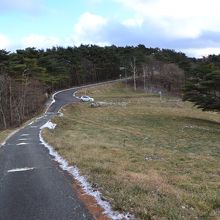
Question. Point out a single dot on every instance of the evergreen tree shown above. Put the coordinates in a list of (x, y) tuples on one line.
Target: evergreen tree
[(204, 91)]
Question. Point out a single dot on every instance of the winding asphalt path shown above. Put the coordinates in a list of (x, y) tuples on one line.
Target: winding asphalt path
[(32, 186)]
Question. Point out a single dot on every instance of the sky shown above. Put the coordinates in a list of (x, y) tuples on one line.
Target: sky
[(189, 26)]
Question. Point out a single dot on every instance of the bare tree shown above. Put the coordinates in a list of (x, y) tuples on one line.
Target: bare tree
[(134, 71), (3, 88), (144, 75), (172, 77)]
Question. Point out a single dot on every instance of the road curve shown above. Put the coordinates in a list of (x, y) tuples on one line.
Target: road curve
[(32, 186)]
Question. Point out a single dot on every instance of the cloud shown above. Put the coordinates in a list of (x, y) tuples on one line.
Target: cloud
[(89, 30), (178, 19), (4, 42), (201, 52), (133, 22), (40, 41), (192, 26), (95, 29), (102, 31)]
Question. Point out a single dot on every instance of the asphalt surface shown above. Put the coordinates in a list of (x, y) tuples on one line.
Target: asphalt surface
[(32, 186)]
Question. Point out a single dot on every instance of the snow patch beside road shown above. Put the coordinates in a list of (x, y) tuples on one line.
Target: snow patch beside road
[(49, 125), (74, 171)]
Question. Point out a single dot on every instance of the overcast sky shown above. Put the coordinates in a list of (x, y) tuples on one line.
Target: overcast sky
[(190, 26)]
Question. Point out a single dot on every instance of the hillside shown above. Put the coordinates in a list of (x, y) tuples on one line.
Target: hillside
[(155, 158), (29, 76)]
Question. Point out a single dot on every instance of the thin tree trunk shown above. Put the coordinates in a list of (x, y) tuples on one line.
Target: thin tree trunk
[(3, 116), (10, 100), (133, 66), (144, 71)]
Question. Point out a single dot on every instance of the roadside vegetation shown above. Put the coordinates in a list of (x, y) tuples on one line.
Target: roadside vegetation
[(155, 158), (7, 132), (3, 135)]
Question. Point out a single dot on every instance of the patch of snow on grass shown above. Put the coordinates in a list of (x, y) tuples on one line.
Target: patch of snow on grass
[(49, 125), (60, 114), (74, 171)]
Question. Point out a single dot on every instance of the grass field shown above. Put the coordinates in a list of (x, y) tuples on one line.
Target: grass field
[(4, 134), (157, 159)]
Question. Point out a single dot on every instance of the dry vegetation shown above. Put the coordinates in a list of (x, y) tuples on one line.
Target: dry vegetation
[(156, 159), (3, 135)]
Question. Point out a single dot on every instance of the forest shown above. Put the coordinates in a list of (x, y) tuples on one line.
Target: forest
[(29, 76)]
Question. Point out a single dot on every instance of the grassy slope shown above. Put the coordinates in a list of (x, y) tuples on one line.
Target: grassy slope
[(4, 134), (180, 177)]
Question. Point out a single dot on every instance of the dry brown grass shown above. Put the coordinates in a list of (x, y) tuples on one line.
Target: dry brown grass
[(4, 134), (158, 160)]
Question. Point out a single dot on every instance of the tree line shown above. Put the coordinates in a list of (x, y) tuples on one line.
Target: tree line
[(29, 76)]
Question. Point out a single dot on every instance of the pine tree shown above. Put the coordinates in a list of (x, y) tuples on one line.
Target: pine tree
[(204, 91)]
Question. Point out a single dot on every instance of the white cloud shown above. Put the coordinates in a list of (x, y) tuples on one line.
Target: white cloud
[(181, 19), (89, 29), (4, 42), (201, 52), (40, 41), (133, 22)]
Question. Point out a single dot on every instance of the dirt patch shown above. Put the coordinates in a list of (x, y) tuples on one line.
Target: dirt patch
[(94, 209)]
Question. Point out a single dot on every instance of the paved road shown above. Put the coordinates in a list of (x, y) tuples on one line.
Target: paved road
[(32, 186)]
